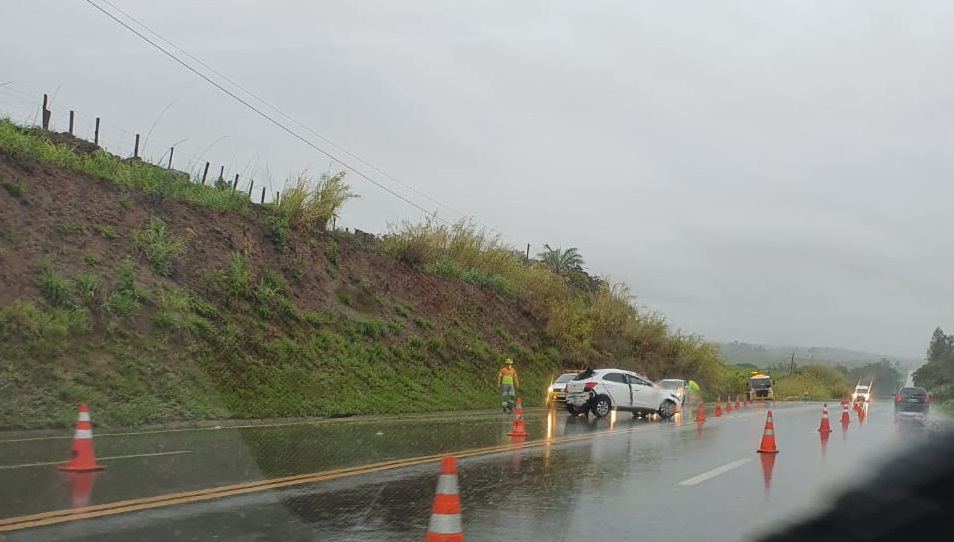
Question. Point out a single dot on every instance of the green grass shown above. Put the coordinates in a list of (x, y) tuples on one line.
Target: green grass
[(154, 180), (159, 246), (71, 226), (105, 231), (91, 258), (14, 188)]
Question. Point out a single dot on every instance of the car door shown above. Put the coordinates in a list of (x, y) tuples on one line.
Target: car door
[(645, 395), (619, 389)]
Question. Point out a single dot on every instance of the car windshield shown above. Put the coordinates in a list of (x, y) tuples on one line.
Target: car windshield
[(265, 264)]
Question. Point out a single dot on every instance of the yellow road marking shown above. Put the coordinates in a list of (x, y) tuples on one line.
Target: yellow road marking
[(119, 507), (153, 454)]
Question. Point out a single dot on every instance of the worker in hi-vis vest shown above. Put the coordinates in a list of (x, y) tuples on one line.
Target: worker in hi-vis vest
[(508, 382)]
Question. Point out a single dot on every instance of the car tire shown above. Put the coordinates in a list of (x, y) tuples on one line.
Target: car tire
[(601, 406), (667, 409)]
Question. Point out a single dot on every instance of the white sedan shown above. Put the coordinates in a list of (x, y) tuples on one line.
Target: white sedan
[(601, 390)]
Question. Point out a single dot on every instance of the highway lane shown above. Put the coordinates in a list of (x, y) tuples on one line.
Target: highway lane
[(626, 480)]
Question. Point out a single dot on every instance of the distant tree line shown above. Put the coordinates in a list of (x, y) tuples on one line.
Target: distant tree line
[(937, 373)]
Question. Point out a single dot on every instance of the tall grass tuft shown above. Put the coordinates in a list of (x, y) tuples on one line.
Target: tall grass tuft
[(306, 203), (158, 246)]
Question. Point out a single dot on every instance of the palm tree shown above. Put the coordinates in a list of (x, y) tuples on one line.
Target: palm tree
[(561, 262)]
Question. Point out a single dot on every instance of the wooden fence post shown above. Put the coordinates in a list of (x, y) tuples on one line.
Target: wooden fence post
[(96, 133), (205, 172), (136, 149), (46, 113), (251, 183), (222, 174), (171, 150), (235, 183), (263, 196), (72, 113)]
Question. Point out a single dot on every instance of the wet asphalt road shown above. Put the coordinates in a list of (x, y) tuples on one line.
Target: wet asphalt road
[(623, 479)]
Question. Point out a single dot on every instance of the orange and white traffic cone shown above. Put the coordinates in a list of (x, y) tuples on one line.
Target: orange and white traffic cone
[(768, 437), (82, 458), (517, 428), (728, 405), (737, 404), (445, 525), (718, 407), (825, 426), (845, 417), (700, 412)]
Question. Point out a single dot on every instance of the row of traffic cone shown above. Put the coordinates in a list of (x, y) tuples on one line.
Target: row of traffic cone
[(739, 404)]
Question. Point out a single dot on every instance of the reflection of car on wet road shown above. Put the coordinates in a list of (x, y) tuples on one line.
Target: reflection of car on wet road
[(912, 400), (676, 386), (601, 390), (556, 393)]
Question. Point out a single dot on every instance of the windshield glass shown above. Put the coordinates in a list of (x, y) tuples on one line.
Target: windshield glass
[(265, 265)]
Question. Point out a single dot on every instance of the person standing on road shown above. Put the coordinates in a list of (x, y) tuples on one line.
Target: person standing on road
[(508, 382)]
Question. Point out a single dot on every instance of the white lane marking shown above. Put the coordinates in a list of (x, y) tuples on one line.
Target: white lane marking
[(154, 454), (695, 480)]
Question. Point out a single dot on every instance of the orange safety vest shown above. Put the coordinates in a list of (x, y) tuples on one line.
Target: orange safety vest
[(508, 375)]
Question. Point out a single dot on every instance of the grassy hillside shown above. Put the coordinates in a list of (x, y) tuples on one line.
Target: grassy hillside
[(156, 298)]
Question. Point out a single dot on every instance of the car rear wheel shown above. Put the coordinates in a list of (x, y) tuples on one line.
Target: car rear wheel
[(667, 409), (600, 406)]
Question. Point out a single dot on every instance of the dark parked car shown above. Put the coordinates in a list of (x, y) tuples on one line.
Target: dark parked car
[(912, 400)]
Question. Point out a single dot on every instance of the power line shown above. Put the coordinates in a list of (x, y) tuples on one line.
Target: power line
[(279, 111), (264, 115)]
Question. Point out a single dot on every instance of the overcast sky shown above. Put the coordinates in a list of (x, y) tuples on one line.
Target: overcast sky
[(773, 172)]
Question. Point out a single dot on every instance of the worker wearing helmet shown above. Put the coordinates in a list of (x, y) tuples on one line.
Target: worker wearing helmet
[(508, 382)]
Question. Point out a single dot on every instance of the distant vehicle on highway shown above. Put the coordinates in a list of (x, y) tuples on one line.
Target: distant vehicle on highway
[(556, 393), (603, 390), (760, 386), (913, 400), (677, 386), (862, 393)]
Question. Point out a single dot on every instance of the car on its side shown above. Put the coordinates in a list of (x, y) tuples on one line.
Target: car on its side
[(912, 400), (601, 391), (862, 393), (678, 386), (556, 392)]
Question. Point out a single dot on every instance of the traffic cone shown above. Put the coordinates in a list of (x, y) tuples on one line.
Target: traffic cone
[(845, 417), (718, 407), (82, 458), (825, 426), (737, 404), (700, 412), (728, 405), (517, 428), (768, 437), (445, 525)]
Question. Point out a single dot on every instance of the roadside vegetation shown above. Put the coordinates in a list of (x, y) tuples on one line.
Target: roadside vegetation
[(937, 374), (181, 319)]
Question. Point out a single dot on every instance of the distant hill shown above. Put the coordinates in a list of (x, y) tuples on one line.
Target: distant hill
[(763, 355)]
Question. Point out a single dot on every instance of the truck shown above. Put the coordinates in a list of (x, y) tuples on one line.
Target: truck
[(760, 386)]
